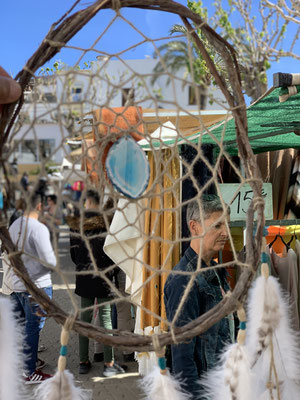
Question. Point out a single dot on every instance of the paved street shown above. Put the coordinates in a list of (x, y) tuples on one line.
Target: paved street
[(100, 388)]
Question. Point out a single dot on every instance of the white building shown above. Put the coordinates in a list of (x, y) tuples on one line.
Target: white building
[(134, 78), (55, 104)]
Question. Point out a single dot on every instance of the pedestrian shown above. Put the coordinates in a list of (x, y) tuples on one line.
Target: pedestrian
[(18, 212), (52, 217), (91, 228), (124, 311), (41, 188), (208, 236), (77, 188), (24, 182), (32, 238)]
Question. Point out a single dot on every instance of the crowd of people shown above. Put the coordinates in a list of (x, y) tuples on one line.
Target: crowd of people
[(34, 227)]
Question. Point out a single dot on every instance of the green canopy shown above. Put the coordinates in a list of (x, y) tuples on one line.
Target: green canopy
[(271, 126)]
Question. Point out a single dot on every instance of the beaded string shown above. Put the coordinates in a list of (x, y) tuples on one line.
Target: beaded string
[(161, 360), (160, 354), (64, 339), (241, 336), (62, 360)]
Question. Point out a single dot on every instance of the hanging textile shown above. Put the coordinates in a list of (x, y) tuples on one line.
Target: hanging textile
[(276, 168), (286, 270), (161, 251), (292, 209), (297, 251), (124, 244)]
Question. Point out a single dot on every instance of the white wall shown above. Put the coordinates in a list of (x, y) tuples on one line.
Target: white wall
[(137, 74), (37, 132)]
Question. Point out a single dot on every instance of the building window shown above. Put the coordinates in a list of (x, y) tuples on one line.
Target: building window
[(127, 96), (31, 97), (31, 152), (46, 148), (77, 93), (193, 97), (49, 98)]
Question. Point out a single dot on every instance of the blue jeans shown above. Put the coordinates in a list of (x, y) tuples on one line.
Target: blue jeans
[(49, 292), (26, 311)]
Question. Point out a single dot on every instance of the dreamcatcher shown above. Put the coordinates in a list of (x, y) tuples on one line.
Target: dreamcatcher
[(119, 178)]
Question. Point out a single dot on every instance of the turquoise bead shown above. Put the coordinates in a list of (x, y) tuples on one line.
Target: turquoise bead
[(63, 351), (242, 325), (264, 257), (162, 363)]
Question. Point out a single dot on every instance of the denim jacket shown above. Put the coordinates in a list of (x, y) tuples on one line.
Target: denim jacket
[(201, 353)]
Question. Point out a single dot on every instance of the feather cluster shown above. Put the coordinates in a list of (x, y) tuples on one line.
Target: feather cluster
[(158, 386), (61, 386), (267, 367), (231, 379), (271, 341), (11, 355)]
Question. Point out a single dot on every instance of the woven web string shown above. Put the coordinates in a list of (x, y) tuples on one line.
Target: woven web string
[(74, 120)]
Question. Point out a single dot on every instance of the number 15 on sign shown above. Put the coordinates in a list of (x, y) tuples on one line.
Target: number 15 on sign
[(239, 198)]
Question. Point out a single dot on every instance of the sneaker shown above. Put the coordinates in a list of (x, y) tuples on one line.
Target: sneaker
[(98, 357), (84, 368), (41, 348), (36, 377), (115, 369), (40, 364)]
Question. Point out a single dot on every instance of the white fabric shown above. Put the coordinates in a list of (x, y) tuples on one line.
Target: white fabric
[(146, 360), (295, 79), (124, 245), (33, 238), (163, 133), (292, 90)]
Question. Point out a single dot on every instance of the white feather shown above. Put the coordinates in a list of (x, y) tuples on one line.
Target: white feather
[(60, 387), (159, 386), (264, 314), (266, 395), (146, 362), (277, 323), (290, 390), (232, 377), (11, 355)]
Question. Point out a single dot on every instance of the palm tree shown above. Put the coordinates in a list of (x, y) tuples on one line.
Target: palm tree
[(181, 54)]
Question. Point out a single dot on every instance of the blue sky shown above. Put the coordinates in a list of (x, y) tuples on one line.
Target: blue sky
[(25, 23)]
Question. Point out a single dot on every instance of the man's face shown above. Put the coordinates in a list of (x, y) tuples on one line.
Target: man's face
[(216, 233)]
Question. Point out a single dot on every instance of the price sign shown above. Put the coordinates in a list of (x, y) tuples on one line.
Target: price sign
[(239, 197)]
